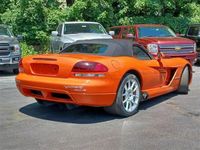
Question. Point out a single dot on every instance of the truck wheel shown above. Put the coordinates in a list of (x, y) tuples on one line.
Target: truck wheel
[(15, 71), (128, 97), (184, 81)]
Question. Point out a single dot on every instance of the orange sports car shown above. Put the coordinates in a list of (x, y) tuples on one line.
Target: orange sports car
[(114, 74)]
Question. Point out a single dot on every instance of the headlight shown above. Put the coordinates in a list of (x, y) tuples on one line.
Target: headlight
[(15, 48), (152, 48), (195, 47)]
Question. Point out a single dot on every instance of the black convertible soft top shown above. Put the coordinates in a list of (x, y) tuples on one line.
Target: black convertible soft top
[(115, 47)]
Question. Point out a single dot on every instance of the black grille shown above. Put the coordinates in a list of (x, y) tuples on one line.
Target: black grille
[(4, 44), (4, 49), (4, 53)]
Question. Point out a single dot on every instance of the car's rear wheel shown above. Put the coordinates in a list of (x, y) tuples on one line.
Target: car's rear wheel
[(184, 81), (128, 97)]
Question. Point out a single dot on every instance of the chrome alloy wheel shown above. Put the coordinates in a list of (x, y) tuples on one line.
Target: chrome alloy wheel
[(130, 95)]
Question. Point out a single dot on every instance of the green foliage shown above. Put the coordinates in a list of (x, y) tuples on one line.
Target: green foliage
[(91, 10), (27, 49), (35, 19)]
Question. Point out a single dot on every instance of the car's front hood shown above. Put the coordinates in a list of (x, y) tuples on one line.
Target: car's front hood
[(167, 40), (7, 39), (69, 38)]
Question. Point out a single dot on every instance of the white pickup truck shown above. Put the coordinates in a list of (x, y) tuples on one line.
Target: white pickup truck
[(69, 32)]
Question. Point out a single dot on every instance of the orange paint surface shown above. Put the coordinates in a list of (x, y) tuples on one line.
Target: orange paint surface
[(51, 77)]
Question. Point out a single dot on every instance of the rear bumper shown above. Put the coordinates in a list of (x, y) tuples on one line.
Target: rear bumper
[(192, 58), (66, 90)]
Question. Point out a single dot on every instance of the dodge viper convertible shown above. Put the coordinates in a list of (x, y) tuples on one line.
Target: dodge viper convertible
[(114, 74)]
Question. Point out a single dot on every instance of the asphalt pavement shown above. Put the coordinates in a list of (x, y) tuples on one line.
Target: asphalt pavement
[(170, 122)]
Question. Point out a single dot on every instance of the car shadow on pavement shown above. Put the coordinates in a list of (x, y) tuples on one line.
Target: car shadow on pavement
[(152, 102), (197, 64), (79, 115), (6, 74), (82, 115)]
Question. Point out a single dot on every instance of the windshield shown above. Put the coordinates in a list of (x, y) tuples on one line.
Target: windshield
[(156, 32), (86, 48), (83, 28), (4, 31)]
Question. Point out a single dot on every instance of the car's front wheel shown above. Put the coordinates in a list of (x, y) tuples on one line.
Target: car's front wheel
[(128, 97)]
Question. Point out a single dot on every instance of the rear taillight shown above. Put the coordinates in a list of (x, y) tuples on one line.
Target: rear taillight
[(89, 69), (88, 66), (21, 68)]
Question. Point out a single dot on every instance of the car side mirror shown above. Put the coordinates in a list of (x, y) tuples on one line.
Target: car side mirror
[(130, 36), (54, 33), (20, 38), (112, 33)]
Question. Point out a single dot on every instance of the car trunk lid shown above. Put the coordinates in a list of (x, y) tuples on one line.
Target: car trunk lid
[(55, 65)]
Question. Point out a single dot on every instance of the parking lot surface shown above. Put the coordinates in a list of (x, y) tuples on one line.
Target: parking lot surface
[(170, 122)]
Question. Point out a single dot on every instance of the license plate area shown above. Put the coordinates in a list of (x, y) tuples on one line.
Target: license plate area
[(44, 69), (4, 60)]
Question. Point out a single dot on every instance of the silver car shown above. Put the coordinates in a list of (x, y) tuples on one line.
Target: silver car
[(69, 32)]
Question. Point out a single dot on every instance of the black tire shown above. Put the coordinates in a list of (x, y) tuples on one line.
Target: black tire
[(121, 100), (15, 71), (184, 81)]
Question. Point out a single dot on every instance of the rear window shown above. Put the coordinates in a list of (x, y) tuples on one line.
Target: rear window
[(194, 31), (86, 48)]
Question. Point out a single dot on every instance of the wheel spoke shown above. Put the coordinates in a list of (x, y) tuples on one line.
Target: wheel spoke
[(126, 99), (125, 87), (124, 94), (136, 86), (127, 103), (133, 84), (135, 97), (133, 102), (128, 84)]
